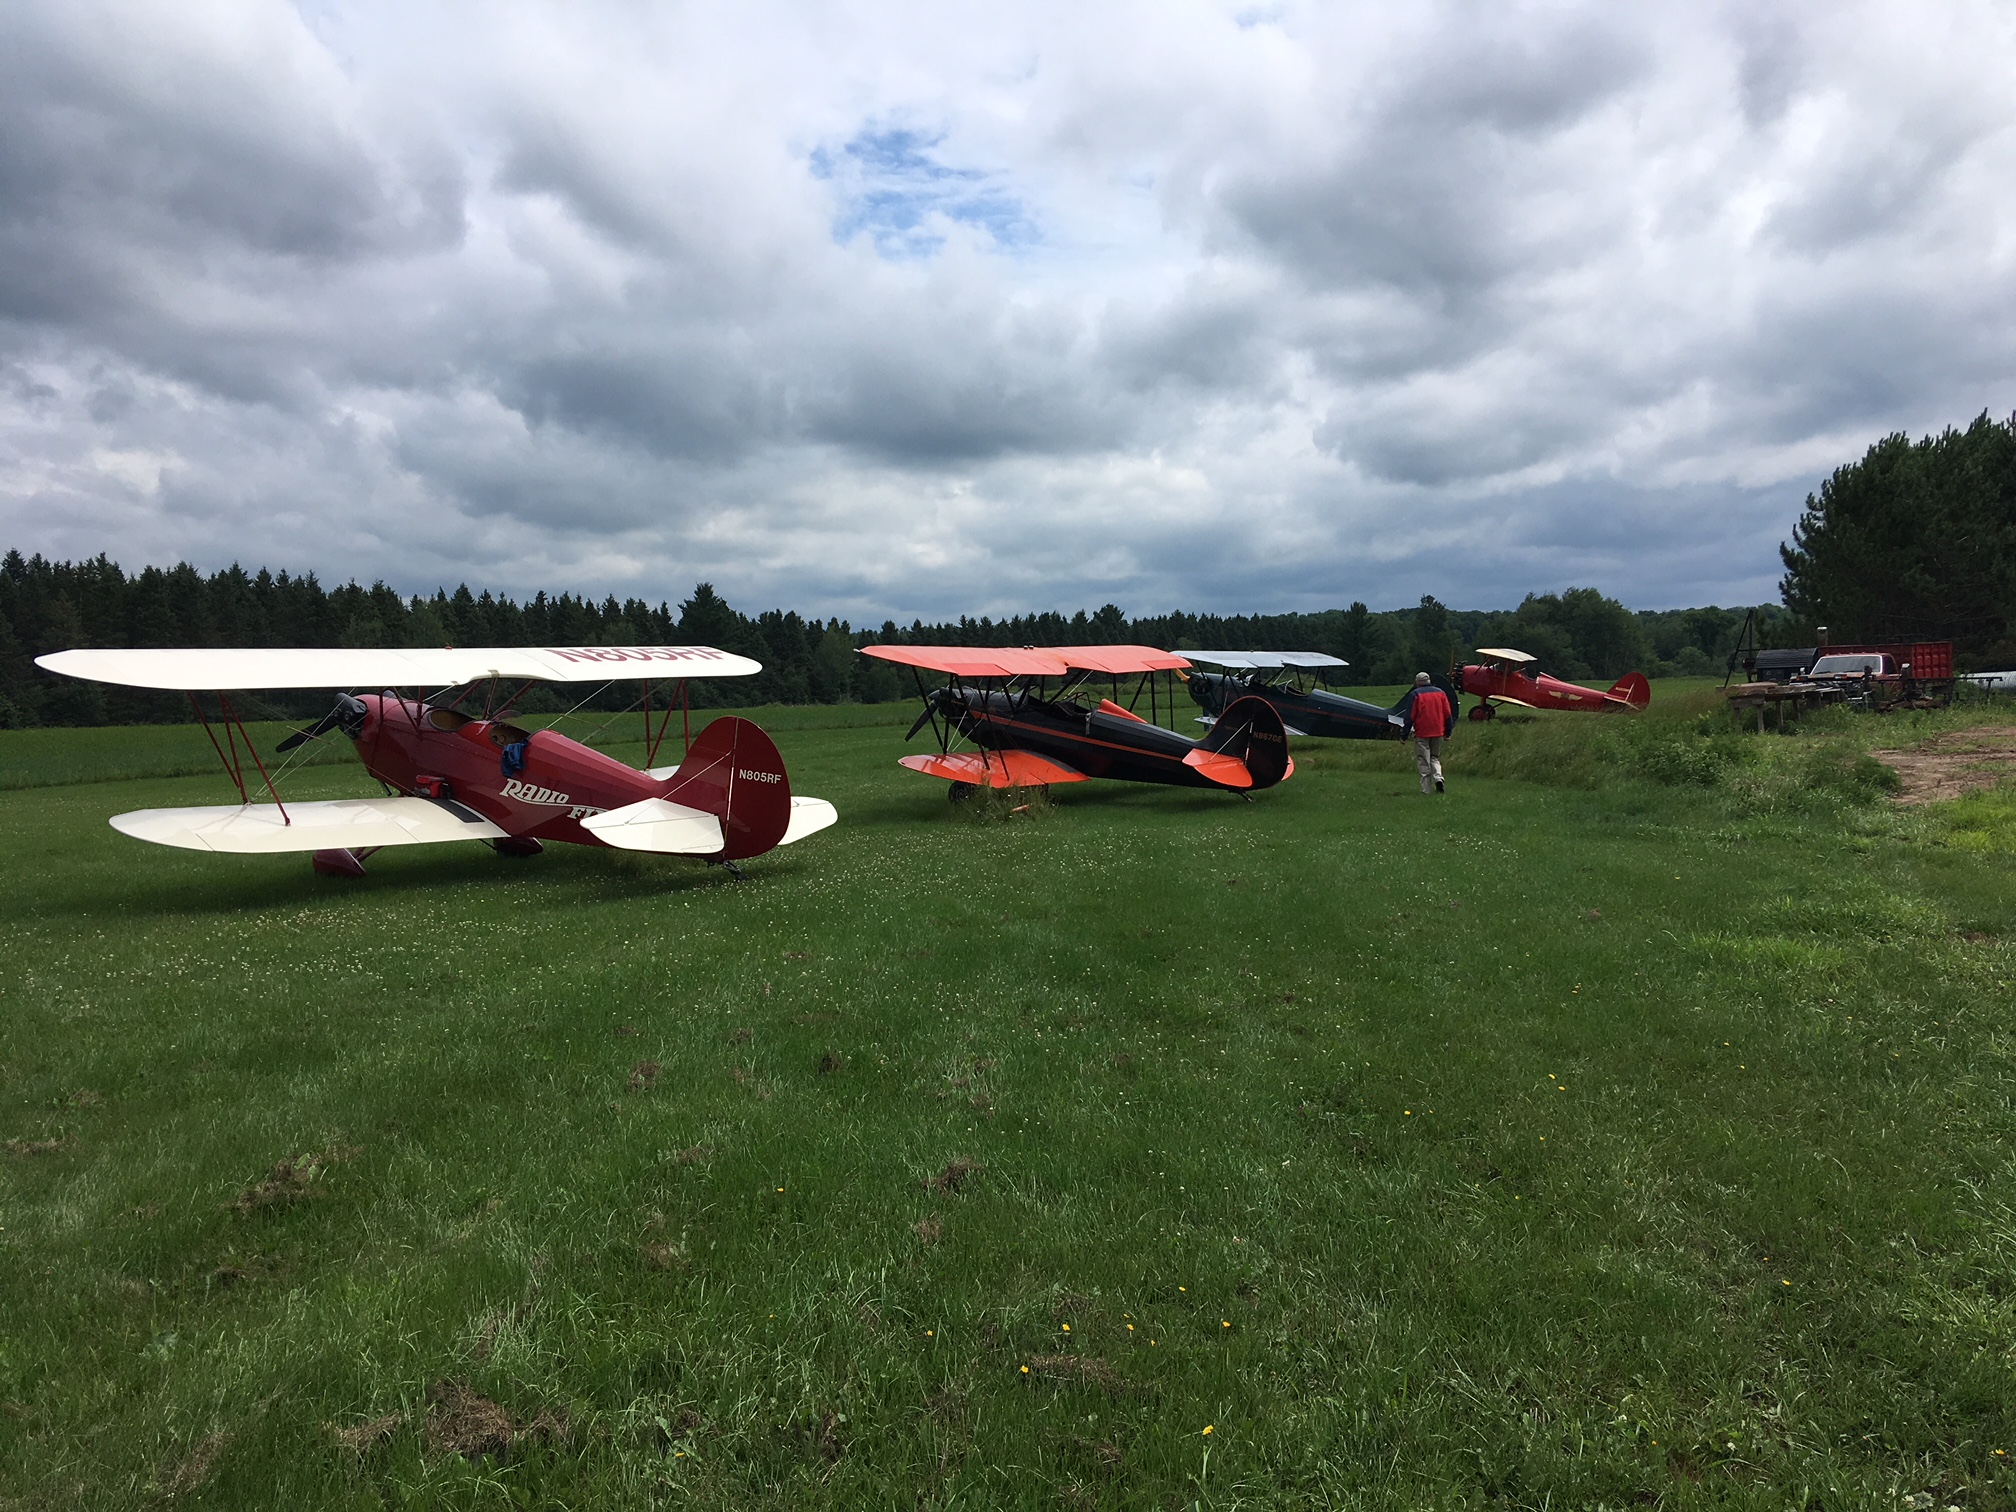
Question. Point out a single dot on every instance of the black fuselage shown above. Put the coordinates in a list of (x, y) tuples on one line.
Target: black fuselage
[(1089, 739), (1313, 712)]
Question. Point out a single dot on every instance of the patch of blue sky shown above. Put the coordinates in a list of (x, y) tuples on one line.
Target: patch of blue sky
[(894, 188)]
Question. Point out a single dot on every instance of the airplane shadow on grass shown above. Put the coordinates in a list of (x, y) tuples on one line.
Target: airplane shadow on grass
[(605, 877), (932, 808)]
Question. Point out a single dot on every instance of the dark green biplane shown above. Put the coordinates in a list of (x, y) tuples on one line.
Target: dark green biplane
[(1286, 679)]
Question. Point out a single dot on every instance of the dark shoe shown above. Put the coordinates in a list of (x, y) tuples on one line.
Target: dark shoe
[(1438, 787)]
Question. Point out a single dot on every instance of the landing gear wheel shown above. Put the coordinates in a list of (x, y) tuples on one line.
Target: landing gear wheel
[(735, 872), (960, 792), (1483, 711)]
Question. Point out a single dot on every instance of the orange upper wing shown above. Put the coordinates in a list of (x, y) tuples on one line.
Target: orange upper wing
[(974, 661), (1120, 661), (1029, 661)]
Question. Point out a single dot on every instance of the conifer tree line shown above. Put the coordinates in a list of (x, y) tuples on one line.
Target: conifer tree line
[(1916, 541), (53, 606)]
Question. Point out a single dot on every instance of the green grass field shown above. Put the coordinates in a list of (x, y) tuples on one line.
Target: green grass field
[(1632, 1126)]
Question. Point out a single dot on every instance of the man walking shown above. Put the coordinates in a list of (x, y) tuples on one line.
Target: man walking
[(1430, 715)]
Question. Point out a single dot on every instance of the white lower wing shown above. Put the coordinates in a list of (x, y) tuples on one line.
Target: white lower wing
[(344, 824), (670, 829), (808, 817)]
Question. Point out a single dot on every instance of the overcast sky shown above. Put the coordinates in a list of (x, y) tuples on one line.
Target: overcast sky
[(893, 309)]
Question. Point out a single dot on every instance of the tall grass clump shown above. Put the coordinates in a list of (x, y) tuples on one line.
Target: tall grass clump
[(1696, 741)]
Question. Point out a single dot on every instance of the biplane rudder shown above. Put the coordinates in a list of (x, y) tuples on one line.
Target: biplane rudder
[(735, 773), (1251, 729), (1631, 690)]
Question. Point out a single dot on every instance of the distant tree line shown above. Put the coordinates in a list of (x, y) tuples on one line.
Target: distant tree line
[(52, 606), (1916, 541)]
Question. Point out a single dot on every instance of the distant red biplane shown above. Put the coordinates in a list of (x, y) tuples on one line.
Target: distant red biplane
[(1503, 676), (455, 774), (1028, 733)]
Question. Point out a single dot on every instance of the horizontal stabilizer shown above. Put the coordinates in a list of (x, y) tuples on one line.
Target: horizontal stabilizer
[(808, 817), (665, 828), (1226, 771), (256, 829), (1247, 748), (995, 769)]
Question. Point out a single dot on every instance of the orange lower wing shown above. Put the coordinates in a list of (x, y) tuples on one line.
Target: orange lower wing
[(999, 769)]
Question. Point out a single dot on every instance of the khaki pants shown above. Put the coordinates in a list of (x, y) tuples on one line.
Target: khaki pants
[(1428, 760)]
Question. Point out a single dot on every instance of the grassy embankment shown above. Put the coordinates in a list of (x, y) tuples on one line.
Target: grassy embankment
[(1581, 1140)]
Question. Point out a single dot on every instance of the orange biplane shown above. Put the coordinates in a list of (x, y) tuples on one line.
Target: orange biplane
[(1033, 717)]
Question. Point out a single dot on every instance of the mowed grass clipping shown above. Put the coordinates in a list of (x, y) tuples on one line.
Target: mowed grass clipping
[(1540, 1145)]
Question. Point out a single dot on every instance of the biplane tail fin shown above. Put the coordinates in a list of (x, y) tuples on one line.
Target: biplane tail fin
[(1631, 690), (1249, 742), (735, 773)]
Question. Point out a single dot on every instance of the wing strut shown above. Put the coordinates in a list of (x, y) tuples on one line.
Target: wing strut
[(234, 764), (653, 740)]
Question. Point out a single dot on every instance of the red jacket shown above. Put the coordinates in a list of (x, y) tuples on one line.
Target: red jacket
[(1430, 712)]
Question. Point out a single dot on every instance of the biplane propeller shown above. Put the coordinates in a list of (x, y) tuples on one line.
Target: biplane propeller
[(349, 716), (456, 773), (1032, 717), (1504, 675), (1286, 679)]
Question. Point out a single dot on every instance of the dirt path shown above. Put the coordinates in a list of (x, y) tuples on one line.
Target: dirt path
[(1947, 766)]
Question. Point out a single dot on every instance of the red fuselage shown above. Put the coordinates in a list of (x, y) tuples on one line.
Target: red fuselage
[(439, 753), (1539, 691)]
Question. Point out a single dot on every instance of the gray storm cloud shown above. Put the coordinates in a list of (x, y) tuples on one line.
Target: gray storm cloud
[(881, 310)]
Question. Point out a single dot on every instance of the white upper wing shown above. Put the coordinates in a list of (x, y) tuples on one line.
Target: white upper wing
[(255, 829), (1266, 660), (419, 667)]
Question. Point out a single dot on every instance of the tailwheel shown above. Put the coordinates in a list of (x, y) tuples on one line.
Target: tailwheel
[(959, 792), (1483, 711)]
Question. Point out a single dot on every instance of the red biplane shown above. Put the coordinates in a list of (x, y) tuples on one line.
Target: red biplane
[(1034, 718), (1504, 676), (454, 772)]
